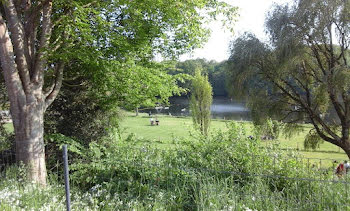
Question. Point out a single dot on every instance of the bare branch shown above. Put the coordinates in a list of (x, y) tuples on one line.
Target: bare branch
[(311, 112), (343, 47), (32, 20), (316, 54), (58, 21), (31, 33), (314, 72), (90, 4), (290, 112), (19, 44), (34, 11), (331, 49), (298, 98), (59, 42), (8, 65), (51, 95), (40, 62), (324, 136)]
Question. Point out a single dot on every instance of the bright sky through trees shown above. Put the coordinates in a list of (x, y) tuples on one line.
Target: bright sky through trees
[(252, 18)]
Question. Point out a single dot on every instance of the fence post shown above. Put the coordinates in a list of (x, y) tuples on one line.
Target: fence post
[(66, 176)]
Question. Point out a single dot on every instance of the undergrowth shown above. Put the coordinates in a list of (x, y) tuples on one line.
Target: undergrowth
[(226, 171)]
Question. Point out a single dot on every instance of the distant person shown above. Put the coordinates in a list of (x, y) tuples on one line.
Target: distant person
[(347, 166), (152, 121), (340, 170)]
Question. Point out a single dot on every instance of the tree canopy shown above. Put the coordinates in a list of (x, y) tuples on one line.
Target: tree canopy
[(216, 71), (302, 74), (42, 40)]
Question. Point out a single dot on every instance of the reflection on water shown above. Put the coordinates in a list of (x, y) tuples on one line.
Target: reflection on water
[(222, 108), (219, 108)]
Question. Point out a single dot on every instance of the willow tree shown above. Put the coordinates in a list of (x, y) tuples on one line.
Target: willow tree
[(39, 39), (200, 102), (303, 73)]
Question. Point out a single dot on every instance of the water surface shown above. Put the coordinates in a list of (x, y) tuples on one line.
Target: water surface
[(221, 108)]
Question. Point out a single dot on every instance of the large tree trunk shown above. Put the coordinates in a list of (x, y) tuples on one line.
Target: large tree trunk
[(29, 130), (23, 58), (346, 148)]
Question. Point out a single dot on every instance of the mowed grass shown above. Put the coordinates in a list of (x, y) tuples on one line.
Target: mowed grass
[(171, 129), (166, 131)]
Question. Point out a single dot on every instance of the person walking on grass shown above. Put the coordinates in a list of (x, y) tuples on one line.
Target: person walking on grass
[(340, 170)]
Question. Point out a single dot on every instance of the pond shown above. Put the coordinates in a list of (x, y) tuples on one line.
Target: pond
[(221, 108)]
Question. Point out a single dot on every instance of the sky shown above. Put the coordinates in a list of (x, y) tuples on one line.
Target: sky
[(251, 18)]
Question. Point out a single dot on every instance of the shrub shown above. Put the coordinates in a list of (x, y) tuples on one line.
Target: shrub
[(270, 129), (228, 170)]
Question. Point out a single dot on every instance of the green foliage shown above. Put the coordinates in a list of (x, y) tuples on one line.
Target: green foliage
[(114, 42), (293, 77), (228, 172), (112, 45), (109, 49), (134, 85), (216, 72), (312, 140), (218, 79), (290, 130), (321, 98), (79, 114), (17, 194), (200, 102), (271, 129), (173, 130), (6, 137), (200, 174)]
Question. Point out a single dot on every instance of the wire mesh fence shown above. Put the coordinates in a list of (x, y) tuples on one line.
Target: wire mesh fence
[(313, 185)]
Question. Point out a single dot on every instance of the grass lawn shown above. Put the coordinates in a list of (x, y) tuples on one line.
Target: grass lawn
[(168, 127), (172, 128)]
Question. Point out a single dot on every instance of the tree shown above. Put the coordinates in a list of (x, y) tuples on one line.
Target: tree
[(89, 119), (218, 79), (200, 102), (40, 38), (151, 84), (216, 73), (303, 74)]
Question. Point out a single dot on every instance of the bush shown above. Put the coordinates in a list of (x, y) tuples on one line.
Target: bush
[(226, 171), (77, 114), (6, 139), (269, 130)]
